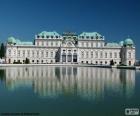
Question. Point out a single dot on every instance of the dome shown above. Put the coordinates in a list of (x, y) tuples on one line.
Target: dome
[(121, 43), (128, 41), (11, 40)]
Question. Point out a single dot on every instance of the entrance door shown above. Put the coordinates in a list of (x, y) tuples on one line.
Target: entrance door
[(64, 58), (9, 61), (69, 57), (75, 58)]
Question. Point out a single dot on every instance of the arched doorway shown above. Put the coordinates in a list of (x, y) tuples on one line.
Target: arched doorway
[(64, 57), (9, 61), (69, 57), (75, 57), (129, 62)]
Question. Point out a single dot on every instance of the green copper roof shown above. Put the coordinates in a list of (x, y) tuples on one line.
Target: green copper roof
[(90, 35), (121, 43), (24, 43), (45, 33), (11, 40), (128, 41), (112, 45)]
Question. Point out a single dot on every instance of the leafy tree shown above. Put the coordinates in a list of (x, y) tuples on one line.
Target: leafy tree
[(2, 50), (111, 62), (27, 61)]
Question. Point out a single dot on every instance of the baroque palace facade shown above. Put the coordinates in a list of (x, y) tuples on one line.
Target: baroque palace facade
[(88, 47)]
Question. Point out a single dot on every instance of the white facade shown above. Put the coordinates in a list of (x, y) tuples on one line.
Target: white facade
[(88, 47)]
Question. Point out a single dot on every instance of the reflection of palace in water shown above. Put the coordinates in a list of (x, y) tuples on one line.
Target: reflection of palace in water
[(85, 82)]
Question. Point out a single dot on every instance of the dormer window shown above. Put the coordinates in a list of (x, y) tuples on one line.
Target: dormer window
[(38, 36), (52, 37), (47, 36), (82, 37), (56, 36), (92, 37), (42, 36), (96, 37), (87, 37)]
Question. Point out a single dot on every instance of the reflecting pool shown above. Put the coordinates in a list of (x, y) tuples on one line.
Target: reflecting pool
[(68, 90)]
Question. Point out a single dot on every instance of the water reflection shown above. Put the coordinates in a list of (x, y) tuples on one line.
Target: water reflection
[(85, 82)]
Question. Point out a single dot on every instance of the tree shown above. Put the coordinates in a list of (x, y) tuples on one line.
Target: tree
[(111, 62), (27, 61), (2, 50)]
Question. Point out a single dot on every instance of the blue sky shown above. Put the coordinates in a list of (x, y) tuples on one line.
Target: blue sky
[(115, 19)]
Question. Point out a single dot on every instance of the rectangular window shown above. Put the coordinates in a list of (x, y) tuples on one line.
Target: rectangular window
[(101, 54), (96, 54), (33, 53), (42, 54), (82, 54), (82, 44), (91, 54), (129, 55), (18, 53), (28, 52), (110, 55), (37, 53), (87, 54), (51, 54), (51, 43), (46, 53), (105, 54), (23, 53), (115, 55)]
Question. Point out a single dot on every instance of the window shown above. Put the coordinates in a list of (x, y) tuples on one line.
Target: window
[(101, 54), (52, 37), (96, 44), (105, 62), (33, 53), (37, 53), (18, 53), (51, 54), (42, 53), (115, 55), (56, 43), (42, 36), (46, 53), (92, 37), (9, 52), (56, 36), (91, 54), (87, 54), (87, 44), (129, 55), (82, 44), (38, 36), (28, 52), (42, 43), (82, 37), (47, 36), (23, 53), (110, 55), (14, 52), (87, 37), (105, 54), (91, 44), (46, 43), (51, 43), (96, 54), (82, 54)]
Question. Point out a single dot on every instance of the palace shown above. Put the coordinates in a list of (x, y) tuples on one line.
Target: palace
[(87, 47)]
